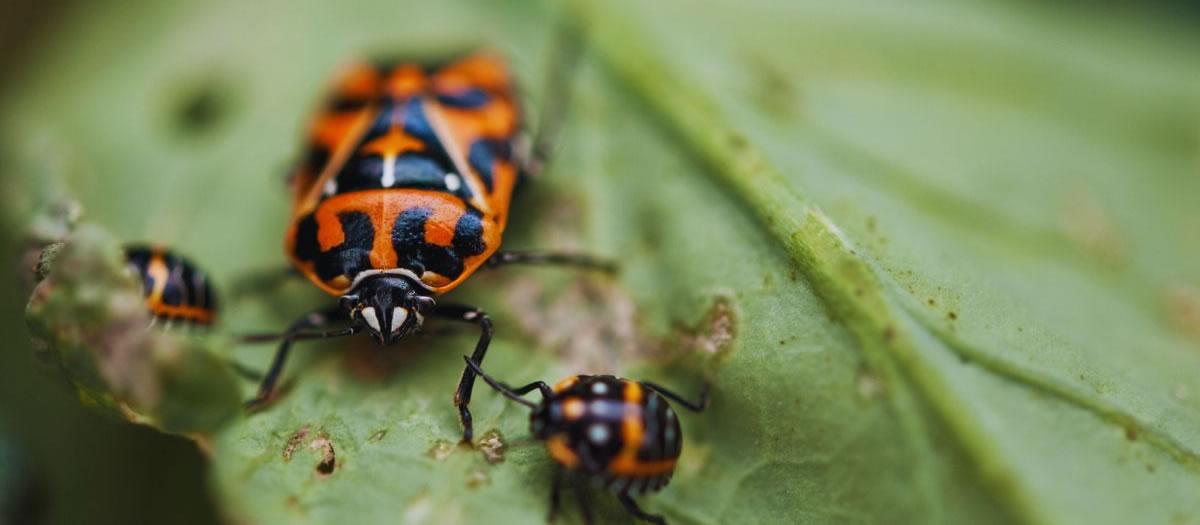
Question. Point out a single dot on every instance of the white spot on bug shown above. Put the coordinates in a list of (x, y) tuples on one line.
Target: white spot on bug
[(399, 315), (389, 172), (599, 388), (330, 186), (470, 316), (670, 413), (669, 435), (598, 434), (453, 181), (368, 315)]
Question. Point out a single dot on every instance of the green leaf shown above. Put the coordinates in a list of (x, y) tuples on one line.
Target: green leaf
[(939, 261), (88, 322)]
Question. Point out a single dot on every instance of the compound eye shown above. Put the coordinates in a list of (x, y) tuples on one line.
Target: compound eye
[(369, 316)]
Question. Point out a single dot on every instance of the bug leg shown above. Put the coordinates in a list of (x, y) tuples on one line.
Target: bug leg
[(633, 508), (540, 386), (551, 258), (297, 331), (585, 503), (244, 371), (698, 406), (462, 397), (555, 491)]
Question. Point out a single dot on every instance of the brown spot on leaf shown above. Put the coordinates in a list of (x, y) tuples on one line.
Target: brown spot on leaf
[(324, 446), (953, 316), (1131, 433), (772, 89), (1182, 304), (716, 331), (889, 334), (294, 442), (377, 436), (590, 324), (1087, 225), (477, 479), (869, 385), (492, 446), (441, 450)]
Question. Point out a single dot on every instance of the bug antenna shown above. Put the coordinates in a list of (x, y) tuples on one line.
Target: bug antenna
[(500, 387)]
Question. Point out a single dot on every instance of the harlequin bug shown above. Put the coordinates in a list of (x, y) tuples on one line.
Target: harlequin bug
[(403, 195), (176, 291), (617, 432)]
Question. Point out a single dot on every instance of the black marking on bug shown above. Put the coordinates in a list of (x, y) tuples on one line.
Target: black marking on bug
[(414, 253), (349, 258)]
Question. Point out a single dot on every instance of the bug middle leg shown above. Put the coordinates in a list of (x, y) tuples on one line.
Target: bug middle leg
[(633, 508), (551, 258), (462, 396), (555, 492)]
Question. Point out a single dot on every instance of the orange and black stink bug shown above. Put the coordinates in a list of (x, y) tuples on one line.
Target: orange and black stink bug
[(619, 433), (404, 194), (176, 291)]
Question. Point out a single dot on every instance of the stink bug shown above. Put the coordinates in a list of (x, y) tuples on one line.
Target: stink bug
[(617, 432), (176, 291), (404, 194)]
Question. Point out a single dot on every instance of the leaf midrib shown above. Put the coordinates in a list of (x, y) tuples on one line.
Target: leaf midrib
[(844, 281)]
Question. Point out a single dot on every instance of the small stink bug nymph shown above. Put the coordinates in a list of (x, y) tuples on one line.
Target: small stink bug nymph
[(403, 194), (176, 291), (617, 432)]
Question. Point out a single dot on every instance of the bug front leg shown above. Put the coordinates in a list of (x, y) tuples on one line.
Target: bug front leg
[(698, 406), (462, 397), (552, 258), (299, 330)]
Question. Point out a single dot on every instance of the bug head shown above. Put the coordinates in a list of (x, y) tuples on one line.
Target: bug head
[(389, 306)]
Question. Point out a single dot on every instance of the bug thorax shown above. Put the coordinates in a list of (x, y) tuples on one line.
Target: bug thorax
[(546, 420), (388, 306)]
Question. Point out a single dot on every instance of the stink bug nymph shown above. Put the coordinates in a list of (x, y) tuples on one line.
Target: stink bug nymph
[(404, 193), (618, 433), (176, 291)]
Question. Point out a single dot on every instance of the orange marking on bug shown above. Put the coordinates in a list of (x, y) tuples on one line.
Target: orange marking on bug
[(393, 143), (405, 81), (330, 129), (439, 228), (308, 197), (358, 81), (561, 451), (483, 69), (156, 268), (191, 313), (633, 431), (565, 383), (574, 408)]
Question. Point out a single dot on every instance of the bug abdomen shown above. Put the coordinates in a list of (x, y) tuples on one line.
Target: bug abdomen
[(173, 287)]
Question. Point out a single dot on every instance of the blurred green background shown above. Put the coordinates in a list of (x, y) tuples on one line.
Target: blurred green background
[(94, 470), (83, 467)]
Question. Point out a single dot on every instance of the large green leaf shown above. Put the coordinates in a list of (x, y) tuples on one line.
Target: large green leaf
[(939, 261)]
